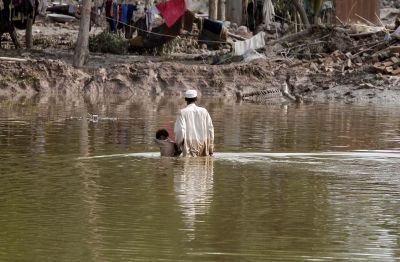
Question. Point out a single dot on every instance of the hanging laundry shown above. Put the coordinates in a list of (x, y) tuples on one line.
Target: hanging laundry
[(108, 8), (188, 20), (212, 26), (268, 12), (172, 10), (150, 14), (119, 25), (164, 33), (212, 33), (255, 42), (131, 9), (123, 17), (114, 16), (128, 27)]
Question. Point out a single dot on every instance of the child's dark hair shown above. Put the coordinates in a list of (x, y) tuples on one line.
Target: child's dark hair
[(162, 132)]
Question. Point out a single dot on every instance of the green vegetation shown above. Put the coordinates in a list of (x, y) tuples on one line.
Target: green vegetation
[(106, 42)]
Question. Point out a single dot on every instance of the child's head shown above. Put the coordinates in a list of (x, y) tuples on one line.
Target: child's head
[(162, 134)]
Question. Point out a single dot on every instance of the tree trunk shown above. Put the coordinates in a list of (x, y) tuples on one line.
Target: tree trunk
[(28, 32), (221, 10), (96, 15), (317, 4), (81, 48), (303, 15), (212, 9)]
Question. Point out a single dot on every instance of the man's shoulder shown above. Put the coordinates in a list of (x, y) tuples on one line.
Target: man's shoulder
[(202, 109), (193, 109)]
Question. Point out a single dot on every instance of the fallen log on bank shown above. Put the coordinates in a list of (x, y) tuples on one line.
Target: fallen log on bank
[(295, 36), (13, 59)]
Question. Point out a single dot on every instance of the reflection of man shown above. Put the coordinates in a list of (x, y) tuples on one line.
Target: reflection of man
[(193, 185), (194, 129)]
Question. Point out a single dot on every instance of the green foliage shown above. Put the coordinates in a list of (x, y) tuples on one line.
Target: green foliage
[(282, 6), (106, 42)]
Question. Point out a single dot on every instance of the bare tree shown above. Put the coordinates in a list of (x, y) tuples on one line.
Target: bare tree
[(81, 48), (212, 9), (29, 24), (28, 32), (303, 15), (221, 10)]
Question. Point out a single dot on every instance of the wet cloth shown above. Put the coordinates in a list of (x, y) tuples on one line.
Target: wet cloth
[(172, 10), (168, 147), (257, 41), (194, 131)]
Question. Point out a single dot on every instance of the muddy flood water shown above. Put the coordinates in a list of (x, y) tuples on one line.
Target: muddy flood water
[(287, 183)]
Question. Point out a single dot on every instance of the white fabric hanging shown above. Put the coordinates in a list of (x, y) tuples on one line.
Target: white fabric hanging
[(257, 41), (268, 12)]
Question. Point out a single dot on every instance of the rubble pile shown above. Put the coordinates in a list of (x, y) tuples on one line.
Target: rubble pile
[(187, 45), (388, 61), (390, 3), (340, 51)]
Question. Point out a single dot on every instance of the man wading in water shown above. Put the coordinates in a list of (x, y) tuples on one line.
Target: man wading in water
[(194, 130)]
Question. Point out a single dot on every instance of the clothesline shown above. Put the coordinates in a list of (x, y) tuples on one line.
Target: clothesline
[(154, 33)]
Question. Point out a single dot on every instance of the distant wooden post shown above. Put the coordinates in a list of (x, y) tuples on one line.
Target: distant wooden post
[(212, 9), (221, 10), (96, 9), (28, 32), (81, 48)]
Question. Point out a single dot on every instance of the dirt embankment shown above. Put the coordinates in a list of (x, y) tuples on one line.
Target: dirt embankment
[(55, 77), (324, 65)]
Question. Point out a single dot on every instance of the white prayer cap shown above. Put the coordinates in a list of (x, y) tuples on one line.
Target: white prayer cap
[(191, 93)]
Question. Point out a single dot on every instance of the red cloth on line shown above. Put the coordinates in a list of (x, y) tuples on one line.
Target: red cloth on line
[(172, 10)]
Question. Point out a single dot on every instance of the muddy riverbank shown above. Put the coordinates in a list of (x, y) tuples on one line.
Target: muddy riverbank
[(324, 65), (38, 75)]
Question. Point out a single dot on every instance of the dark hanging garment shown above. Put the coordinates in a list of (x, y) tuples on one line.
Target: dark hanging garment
[(123, 17), (131, 9), (212, 26), (108, 7)]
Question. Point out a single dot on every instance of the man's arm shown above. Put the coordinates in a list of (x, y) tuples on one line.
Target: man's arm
[(210, 134), (180, 130)]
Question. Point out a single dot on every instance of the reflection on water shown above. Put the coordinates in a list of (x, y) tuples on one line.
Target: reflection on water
[(193, 184), (287, 183)]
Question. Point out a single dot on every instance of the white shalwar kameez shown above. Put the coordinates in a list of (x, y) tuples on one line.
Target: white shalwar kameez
[(194, 131)]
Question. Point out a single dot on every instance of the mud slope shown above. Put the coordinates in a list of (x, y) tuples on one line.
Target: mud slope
[(55, 77)]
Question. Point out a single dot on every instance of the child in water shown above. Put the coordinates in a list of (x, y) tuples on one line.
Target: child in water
[(167, 146)]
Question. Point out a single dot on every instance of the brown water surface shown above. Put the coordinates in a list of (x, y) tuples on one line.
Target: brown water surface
[(288, 183)]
